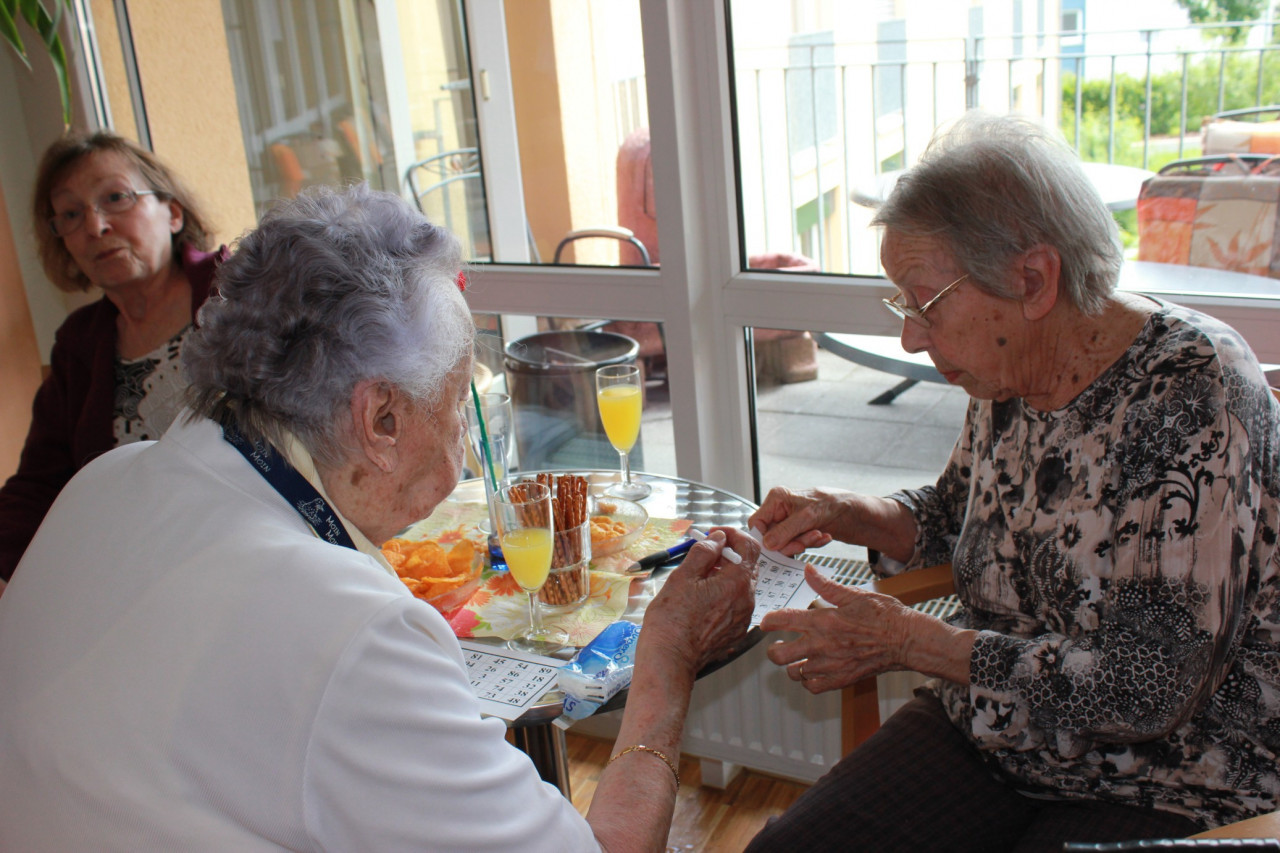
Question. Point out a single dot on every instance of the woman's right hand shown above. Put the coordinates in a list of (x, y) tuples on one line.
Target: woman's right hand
[(704, 609), (793, 521), (701, 614)]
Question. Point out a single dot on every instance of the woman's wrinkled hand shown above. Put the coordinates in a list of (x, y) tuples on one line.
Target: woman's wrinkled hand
[(793, 521), (865, 633), (704, 608)]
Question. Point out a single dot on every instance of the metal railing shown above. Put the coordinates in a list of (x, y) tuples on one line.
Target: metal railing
[(838, 113)]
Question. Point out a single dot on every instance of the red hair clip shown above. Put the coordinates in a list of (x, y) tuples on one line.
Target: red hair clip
[(462, 281)]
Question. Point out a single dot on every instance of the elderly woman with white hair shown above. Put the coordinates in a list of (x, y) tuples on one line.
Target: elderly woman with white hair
[(1110, 511), (212, 653)]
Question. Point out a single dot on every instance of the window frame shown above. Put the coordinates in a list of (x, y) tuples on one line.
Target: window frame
[(701, 293), (701, 284)]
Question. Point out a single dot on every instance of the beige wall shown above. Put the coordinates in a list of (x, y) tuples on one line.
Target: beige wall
[(426, 69), (532, 48), (30, 118), (191, 105), (111, 56), (19, 357), (567, 129), (587, 124)]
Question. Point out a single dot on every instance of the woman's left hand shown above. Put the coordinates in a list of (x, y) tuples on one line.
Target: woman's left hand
[(865, 633)]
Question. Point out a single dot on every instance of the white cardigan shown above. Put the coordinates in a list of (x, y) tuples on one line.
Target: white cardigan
[(184, 666)]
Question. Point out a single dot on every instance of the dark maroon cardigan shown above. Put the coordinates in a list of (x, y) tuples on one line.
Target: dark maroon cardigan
[(71, 419)]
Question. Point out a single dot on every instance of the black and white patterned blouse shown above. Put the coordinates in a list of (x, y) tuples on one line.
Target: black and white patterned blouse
[(1119, 557), (149, 392)]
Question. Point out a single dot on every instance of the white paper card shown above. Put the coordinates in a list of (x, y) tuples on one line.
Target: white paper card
[(780, 582), (507, 682)]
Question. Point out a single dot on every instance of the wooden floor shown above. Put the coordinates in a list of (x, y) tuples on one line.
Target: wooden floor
[(706, 819)]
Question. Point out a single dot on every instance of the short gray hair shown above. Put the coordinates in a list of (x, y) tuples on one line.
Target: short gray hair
[(991, 188), (332, 288)]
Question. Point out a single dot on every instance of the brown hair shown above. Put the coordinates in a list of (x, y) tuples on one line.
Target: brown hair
[(63, 156)]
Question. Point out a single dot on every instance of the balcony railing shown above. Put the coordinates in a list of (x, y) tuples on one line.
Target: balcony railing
[(837, 114)]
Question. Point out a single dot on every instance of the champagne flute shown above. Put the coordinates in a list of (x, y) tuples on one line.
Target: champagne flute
[(620, 395), (525, 528)]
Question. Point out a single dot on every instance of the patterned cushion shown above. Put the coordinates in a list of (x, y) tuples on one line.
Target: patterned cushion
[(1242, 137), (1221, 221)]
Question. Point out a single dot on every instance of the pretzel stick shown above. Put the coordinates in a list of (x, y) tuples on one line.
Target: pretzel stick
[(575, 506), (569, 511)]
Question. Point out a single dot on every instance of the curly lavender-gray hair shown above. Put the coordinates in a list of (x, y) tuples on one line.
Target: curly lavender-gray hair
[(332, 288)]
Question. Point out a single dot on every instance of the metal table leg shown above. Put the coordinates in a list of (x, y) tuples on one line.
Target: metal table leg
[(892, 394), (544, 743)]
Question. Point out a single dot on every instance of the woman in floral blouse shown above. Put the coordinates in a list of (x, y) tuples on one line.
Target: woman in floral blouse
[(1111, 512)]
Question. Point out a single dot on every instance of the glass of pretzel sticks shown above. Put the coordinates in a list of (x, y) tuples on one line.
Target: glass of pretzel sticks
[(569, 582)]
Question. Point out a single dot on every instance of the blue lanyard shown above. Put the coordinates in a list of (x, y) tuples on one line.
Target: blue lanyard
[(292, 486)]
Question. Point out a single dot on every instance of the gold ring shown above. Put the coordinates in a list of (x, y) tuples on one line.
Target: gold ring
[(802, 678)]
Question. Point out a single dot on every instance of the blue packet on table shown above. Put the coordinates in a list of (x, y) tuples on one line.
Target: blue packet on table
[(600, 670)]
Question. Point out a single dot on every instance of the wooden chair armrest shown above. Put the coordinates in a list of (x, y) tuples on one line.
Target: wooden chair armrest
[(860, 703), (1262, 826), (921, 585)]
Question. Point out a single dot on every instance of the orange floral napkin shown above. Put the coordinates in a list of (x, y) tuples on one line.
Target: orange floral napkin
[(499, 608)]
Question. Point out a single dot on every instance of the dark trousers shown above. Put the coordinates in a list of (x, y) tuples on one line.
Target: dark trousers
[(917, 784)]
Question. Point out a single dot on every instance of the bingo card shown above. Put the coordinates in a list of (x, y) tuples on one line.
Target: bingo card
[(780, 583), (507, 682)]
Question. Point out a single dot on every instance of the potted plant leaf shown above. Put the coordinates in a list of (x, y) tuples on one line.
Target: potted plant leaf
[(45, 22)]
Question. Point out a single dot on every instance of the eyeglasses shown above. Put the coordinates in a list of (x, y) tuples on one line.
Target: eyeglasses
[(112, 204), (906, 312)]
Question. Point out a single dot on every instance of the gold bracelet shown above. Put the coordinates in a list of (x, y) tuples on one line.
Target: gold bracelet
[(642, 748)]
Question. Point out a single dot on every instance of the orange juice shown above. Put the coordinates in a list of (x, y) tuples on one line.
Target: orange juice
[(620, 412), (528, 554)]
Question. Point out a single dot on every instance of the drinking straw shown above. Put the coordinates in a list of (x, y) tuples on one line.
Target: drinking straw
[(484, 438)]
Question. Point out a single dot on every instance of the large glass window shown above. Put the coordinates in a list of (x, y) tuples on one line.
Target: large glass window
[(829, 414), (550, 376), (306, 110), (542, 121), (535, 111), (832, 101), (827, 118), (579, 86), (444, 175)]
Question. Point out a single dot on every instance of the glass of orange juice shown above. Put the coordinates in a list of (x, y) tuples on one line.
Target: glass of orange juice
[(620, 395), (525, 527)]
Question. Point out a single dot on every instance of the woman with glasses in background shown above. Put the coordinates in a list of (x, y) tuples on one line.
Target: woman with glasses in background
[(1110, 511), (107, 214)]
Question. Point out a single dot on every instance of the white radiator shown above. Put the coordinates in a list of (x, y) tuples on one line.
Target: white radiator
[(749, 713)]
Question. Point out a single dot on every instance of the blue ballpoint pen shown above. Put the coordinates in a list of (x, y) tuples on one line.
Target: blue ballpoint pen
[(656, 559)]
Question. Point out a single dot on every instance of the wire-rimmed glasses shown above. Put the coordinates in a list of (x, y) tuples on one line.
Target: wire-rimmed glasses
[(113, 203), (906, 312)]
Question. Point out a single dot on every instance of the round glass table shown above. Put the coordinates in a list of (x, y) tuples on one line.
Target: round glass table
[(671, 497)]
